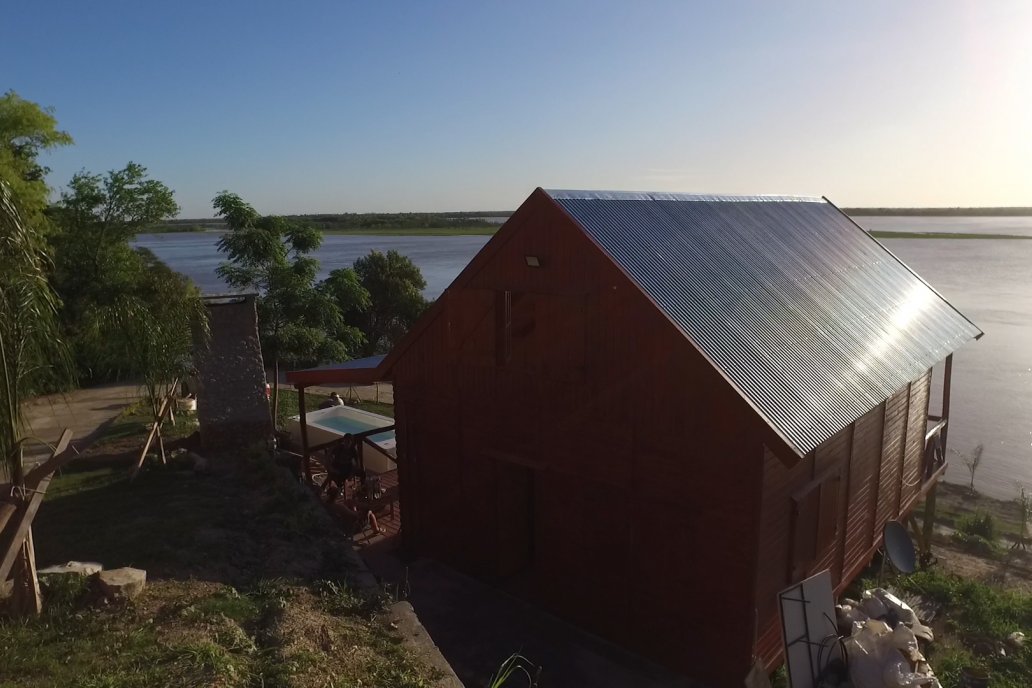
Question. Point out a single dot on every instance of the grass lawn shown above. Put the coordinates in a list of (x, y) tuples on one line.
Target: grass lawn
[(973, 621), (247, 586), (129, 430), (956, 501)]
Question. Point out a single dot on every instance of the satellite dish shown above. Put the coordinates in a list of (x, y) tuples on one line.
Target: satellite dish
[(899, 548)]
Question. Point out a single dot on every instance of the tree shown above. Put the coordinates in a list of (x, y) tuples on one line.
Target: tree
[(973, 462), (113, 208), (32, 352), (27, 130), (95, 266), (299, 324), (395, 287), (148, 332), (345, 289)]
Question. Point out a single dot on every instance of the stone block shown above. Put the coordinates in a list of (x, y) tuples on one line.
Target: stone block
[(122, 584), (82, 568)]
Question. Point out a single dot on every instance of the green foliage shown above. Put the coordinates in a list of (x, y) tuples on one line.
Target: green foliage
[(112, 208), (976, 533), (26, 131), (976, 620), (395, 286), (149, 332), (516, 665), (126, 314), (976, 544), (352, 221), (64, 592), (1024, 503), (980, 523), (299, 324), (32, 352), (288, 406), (344, 286)]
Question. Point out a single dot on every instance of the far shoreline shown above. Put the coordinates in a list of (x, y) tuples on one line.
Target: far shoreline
[(490, 231), (889, 234)]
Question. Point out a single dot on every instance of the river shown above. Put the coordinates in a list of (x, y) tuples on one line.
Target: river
[(988, 280)]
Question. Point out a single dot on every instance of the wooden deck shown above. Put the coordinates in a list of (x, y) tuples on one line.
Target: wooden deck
[(388, 513)]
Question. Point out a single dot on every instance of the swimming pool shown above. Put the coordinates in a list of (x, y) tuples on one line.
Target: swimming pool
[(346, 424), (326, 425)]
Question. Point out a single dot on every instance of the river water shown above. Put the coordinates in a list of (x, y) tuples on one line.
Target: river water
[(990, 281)]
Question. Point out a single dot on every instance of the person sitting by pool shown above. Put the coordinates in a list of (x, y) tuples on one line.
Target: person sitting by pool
[(362, 502), (331, 401)]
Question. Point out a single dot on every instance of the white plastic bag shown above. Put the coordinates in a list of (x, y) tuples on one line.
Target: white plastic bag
[(897, 674), (867, 650), (872, 605)]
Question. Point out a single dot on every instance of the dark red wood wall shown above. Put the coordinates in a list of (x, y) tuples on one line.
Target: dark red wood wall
[(873, 469), (557, 435), (590, 458)]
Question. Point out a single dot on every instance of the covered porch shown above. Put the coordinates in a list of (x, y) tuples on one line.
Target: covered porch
[(367, 503)]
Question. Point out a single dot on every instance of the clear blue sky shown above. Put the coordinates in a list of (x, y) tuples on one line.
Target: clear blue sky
[(365, 105)]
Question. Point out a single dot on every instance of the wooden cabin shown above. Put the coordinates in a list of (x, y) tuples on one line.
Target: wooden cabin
[(650, 413)]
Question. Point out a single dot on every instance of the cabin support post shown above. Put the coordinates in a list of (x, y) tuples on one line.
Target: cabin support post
[(928, 527), (303, 418)]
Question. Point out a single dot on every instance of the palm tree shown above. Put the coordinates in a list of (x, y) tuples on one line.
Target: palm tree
[(32, 352)]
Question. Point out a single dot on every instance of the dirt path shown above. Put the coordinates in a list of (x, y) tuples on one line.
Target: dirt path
[(1013, 572), (82, 410)]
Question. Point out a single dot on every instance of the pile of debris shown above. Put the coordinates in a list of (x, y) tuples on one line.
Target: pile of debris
[(881, 634)]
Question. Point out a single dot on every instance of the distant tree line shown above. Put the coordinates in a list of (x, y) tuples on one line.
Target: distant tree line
[(940, 212), (355, 221), (347, 221)]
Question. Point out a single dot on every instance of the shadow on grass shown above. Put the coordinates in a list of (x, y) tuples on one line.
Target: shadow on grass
[(247, 586), (224, 527)]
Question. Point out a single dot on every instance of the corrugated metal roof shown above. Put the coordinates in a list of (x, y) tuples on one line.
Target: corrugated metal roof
[(353, 364), (361, 371), (813, 321)]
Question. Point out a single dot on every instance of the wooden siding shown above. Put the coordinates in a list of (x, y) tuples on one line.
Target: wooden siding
[(559, 436), (893, 434), (863, 487), (917, 426), (878, 460), (600, 465), (775, 546)]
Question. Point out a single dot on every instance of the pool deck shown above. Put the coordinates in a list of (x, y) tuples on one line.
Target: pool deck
[(388, 515)]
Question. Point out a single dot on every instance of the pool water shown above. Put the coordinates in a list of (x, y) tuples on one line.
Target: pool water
[(343, 424)]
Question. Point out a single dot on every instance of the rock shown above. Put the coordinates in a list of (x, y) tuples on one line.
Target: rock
[(200, 464), (122, 584), (82, 568)]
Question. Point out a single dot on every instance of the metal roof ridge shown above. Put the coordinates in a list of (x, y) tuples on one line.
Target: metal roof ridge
[(605, 195)]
